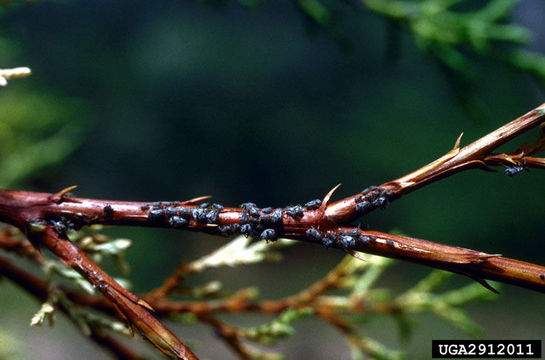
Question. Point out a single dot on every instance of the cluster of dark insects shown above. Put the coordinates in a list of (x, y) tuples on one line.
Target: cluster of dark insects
[(62, 225), (267, 223), (340, 238), (264, 223), (372, 198), (179, 216)]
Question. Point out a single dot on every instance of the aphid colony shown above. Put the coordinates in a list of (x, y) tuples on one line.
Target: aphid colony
[(179, 216), (371, 198), (339, 238), (265, 223), (74, 222)]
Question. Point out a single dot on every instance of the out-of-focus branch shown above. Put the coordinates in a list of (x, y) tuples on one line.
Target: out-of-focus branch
[(129, 306), (15, 73), (39, 289)]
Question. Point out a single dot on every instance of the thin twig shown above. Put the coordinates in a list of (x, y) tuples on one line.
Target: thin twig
[(129, 306), (39, 289)]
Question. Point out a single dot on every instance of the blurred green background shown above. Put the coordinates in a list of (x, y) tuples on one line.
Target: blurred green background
[(170, 100)]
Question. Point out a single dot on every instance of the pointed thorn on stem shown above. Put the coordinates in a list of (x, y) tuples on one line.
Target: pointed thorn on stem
[(485, 284), (58, 197), (196, 200), (145, 304), (321, 210), (328, 195), (354, 254), (457, 143)]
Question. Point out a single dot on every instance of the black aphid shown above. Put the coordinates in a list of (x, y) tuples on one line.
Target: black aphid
[(225, 230), (514, 170), (267, 210), (243, 217), (542, 276), (313, 204), (204, 205), (369, 189), (108, 211), (199, 215), (327, 242), (229, 229), (246, 229), (390, 242), (76, 223), (295, 211), (253, 211), (212, 216), (59, 227), (276, 216), (347, 242), (184, 211), (156, 204), (329, 239), (269, 234), (364, 240), (362, 206), (381, 202), (166, 203), (265, 219), (247, 205), (178, 222), (217, 206), (170, 211), (377, 192), (353, 232), (156, 214), (314, 234)]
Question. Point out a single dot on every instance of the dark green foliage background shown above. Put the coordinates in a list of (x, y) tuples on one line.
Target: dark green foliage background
[(177, 99)]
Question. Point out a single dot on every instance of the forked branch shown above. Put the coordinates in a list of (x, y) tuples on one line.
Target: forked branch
[(44, 218)]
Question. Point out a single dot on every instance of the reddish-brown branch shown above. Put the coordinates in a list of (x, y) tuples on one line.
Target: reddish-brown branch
[(458, 159), (44, 217), (39, 289), (130, 307), (170, 283), (22, 247), (229, 334)]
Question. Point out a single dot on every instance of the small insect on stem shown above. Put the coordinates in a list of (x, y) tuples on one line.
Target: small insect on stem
[(314, 234), (514, 170), (108, 212), (295, 211), (269, 234), (276, 217), (156, 214), (178, 222), (246, 229), (314, 204)]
